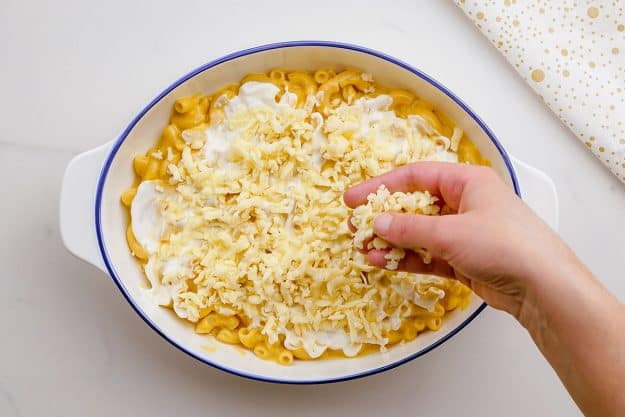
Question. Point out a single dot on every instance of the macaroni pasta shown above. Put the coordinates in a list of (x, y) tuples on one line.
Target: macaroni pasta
[(246, 237)]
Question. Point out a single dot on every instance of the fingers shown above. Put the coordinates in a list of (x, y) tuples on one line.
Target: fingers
[(444, 179), (412, 262), (434, 233)]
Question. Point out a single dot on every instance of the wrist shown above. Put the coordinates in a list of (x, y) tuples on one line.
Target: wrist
[(555, 293)]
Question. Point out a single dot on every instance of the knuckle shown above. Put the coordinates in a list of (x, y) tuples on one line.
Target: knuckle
[(486, 173), (441, 240), (401, 229), (456, 189)]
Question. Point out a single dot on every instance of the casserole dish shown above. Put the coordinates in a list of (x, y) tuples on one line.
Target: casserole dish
[(93, 222)]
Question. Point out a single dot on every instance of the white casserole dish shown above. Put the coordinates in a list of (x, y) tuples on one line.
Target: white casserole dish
[(93, 222)]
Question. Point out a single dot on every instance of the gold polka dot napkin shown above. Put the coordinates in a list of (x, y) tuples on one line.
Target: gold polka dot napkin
[(572, 53)]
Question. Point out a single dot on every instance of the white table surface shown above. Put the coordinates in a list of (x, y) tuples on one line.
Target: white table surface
[(74, 73)]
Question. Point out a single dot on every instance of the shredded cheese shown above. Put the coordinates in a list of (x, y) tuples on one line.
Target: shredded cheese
[(254, 223)]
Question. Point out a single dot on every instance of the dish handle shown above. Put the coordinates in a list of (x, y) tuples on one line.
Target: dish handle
[(538, 192), (77, 205)]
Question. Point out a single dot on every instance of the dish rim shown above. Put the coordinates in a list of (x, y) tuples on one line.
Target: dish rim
[(250, 51)]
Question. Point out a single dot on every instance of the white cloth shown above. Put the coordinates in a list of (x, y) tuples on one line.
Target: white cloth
[(572, 53)]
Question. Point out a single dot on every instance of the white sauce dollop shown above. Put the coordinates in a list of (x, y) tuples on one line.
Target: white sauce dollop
[(147, 223)]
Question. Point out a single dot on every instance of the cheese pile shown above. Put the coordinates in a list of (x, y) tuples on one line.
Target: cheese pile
[(381, 202), (253, 222)]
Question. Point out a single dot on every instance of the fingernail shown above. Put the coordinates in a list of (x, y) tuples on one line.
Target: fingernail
[(382, 223)]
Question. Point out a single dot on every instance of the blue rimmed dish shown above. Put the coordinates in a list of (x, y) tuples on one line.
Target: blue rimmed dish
[(93, 222)]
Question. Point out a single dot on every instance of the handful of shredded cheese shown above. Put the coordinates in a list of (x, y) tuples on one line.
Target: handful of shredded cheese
[(383, 201)]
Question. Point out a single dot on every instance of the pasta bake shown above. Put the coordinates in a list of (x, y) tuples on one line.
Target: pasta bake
[(238, 221)]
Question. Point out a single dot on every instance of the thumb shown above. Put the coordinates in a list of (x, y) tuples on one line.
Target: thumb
[(414, 231)]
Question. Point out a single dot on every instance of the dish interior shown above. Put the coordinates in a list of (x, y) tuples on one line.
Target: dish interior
[(140, 137)]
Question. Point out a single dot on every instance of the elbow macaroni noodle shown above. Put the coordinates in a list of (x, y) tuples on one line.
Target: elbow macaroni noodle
[(300, 156)]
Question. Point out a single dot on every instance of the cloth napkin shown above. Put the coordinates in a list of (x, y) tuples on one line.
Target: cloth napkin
[(572, 53)]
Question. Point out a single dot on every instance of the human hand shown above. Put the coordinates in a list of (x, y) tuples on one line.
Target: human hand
[(494, 244)]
